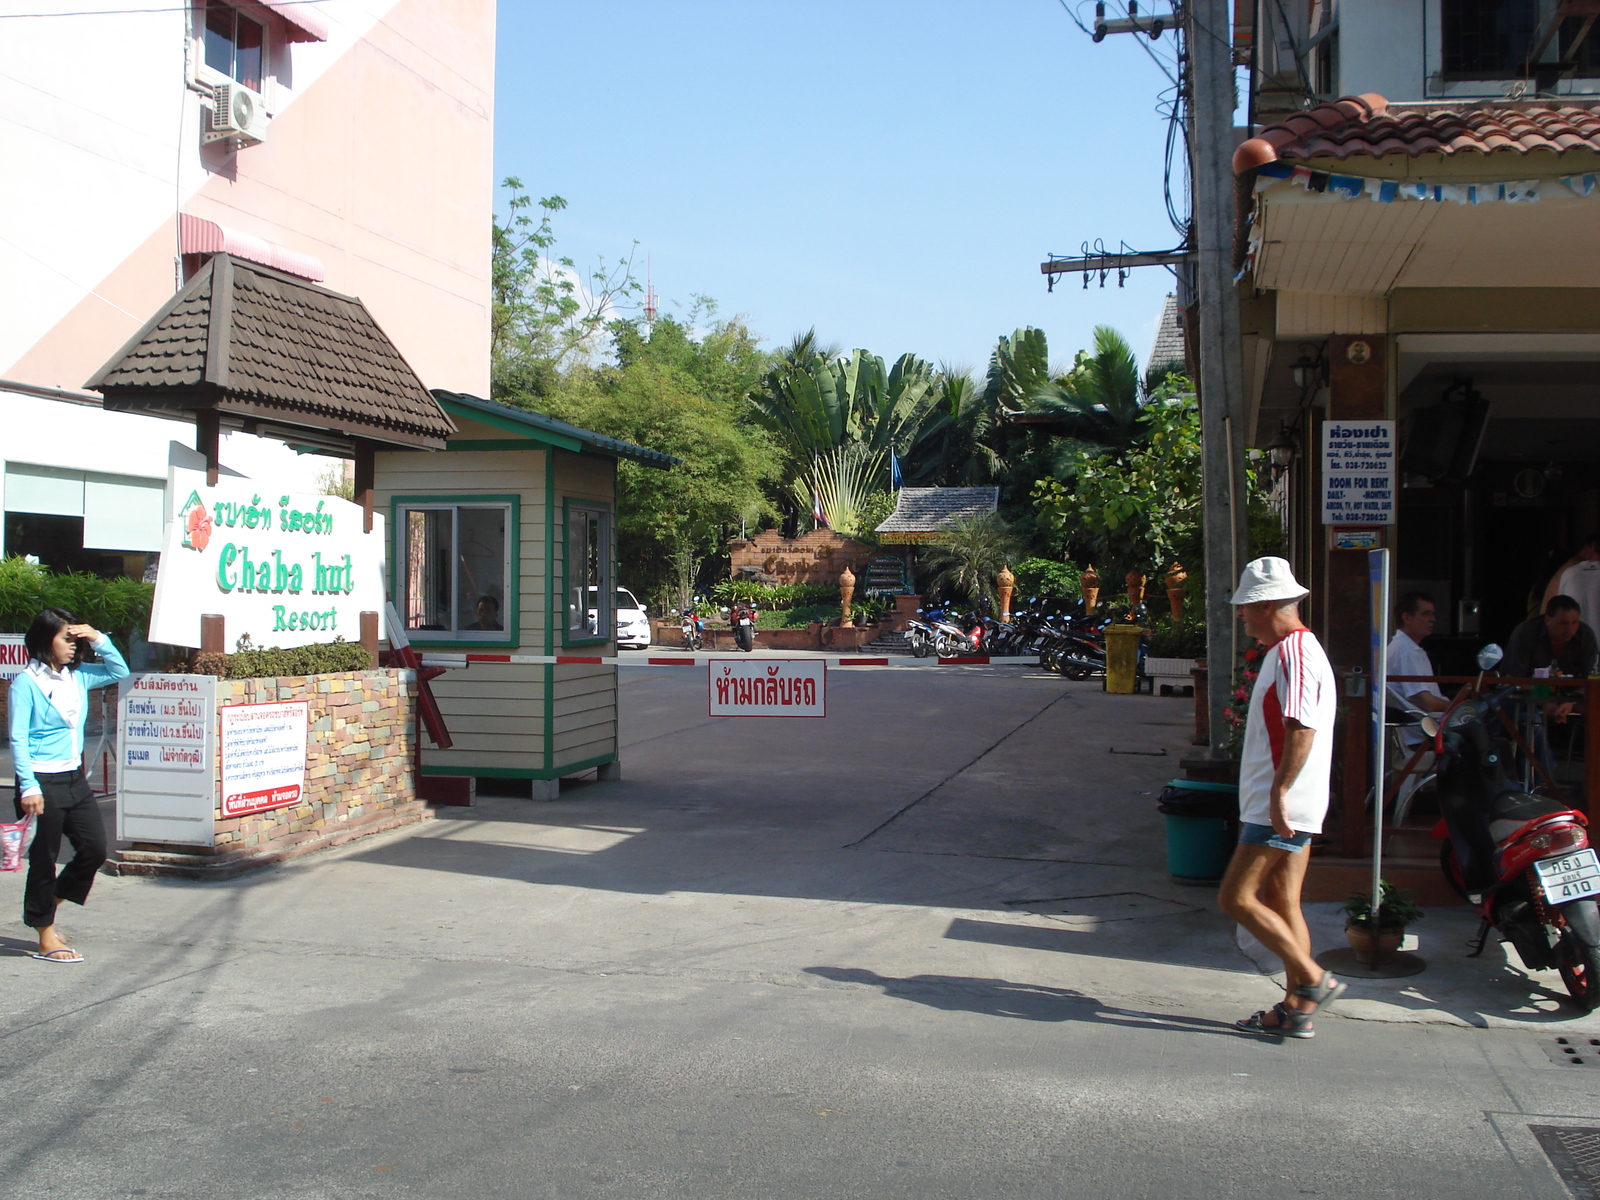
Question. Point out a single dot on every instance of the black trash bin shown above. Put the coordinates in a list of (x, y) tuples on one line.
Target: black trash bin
[(1202, 829)]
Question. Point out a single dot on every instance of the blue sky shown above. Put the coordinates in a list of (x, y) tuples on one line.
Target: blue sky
[(890, 172)]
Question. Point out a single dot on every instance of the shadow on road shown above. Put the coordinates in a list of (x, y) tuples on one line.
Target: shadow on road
[(1018, 1001)]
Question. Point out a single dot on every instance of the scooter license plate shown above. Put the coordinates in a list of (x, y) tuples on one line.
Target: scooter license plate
[(744, 620), (1570, 877)]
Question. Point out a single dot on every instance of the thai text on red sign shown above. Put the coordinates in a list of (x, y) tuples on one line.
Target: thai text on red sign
[(787, 687)]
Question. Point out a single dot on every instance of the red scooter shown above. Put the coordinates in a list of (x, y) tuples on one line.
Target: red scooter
[(743, 621), (1521, 860)]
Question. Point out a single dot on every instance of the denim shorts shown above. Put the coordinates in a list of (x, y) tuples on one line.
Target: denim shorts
[(1266, 835)]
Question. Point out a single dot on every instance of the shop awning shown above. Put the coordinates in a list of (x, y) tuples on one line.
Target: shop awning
[(196, 235), (269, 353), (305, 23)]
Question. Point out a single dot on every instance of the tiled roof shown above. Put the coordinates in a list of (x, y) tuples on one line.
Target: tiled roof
[(927, 510), (254, 342), (543, 428), (1370, 127), (1168, 346)]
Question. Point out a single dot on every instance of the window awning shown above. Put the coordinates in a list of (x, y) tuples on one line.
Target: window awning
[(196, 235), (305, 23)]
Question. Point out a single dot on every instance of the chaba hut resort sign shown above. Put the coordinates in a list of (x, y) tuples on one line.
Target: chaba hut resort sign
[(286, 568)]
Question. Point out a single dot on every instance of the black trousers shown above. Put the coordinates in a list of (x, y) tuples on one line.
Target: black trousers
[(69, 808)]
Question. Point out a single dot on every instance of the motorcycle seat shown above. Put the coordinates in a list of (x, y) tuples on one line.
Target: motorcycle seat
[(1524, 806)]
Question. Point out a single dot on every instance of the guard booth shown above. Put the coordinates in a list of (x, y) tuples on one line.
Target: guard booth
[(502, 565)]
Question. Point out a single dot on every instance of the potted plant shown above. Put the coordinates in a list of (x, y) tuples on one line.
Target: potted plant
[(1375, 946), (1175, 648)]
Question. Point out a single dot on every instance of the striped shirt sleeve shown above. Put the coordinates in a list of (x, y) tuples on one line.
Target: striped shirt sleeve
[(1299, 682)]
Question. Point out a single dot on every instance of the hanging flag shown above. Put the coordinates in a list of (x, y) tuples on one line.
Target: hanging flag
[(894, 469), (818, 521)]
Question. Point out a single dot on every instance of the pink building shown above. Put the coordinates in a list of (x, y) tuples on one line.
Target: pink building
[(348, 143)]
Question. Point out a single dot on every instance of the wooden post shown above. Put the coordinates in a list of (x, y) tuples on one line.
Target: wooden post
[(365, 473), (207, 440), (1357, 390), (213, 634), (369, 636)]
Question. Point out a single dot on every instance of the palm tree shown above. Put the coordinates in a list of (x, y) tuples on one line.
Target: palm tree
[(1098, 401), (967, 558)]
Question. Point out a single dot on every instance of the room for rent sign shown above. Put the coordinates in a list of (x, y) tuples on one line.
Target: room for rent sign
[(784, 687)]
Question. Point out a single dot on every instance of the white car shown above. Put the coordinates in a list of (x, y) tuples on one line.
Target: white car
[(633, 623)]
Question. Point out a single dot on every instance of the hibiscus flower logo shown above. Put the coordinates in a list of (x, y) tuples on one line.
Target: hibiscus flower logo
[(196, 523)]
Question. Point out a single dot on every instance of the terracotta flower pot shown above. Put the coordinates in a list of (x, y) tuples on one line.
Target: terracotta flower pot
[(1375, 949)]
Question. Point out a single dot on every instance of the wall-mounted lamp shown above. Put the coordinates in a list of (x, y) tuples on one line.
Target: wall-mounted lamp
[(1310, 369), (1281, 451)]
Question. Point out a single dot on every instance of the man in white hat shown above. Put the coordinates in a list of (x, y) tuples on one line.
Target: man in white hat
[(1283, 792)]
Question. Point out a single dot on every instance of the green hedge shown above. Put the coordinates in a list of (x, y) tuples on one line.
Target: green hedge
[(772, 596), (326, 658)]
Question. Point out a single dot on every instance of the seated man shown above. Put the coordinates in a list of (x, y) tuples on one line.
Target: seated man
[(1415, 617), (1557, 643), (488, 610)]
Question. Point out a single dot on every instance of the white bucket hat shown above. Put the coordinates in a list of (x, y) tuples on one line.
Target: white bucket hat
[(1267, 579)]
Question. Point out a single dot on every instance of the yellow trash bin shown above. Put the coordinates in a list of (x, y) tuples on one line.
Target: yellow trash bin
[(1122, 659)]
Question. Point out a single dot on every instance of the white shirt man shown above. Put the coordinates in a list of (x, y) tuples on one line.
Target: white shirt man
[(1582, 582), (1416, 617)]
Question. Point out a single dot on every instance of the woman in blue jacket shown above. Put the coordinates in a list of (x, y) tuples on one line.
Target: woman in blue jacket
[(49, 708)]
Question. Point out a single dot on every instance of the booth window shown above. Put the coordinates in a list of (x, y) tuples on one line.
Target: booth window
[(591, 605), (455, 569), (234, 45)]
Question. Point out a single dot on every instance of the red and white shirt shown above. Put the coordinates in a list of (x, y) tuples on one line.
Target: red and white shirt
[(1296, 683)]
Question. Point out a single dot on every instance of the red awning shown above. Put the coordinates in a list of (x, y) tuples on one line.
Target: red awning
[(199, 236), (305, 23)]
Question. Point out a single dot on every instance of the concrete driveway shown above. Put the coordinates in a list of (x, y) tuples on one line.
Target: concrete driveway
[(924, 948)]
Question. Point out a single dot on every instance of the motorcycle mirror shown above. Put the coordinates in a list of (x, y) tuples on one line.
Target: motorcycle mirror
[(1429, 726), (1489, 656)]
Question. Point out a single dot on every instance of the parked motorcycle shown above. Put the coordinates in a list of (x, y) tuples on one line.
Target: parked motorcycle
[(743, 622), (1521, 860), (694, 628)]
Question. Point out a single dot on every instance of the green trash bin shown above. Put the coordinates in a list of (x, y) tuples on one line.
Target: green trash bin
[(1202, 829)]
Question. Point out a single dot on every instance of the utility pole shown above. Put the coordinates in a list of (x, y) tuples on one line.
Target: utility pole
[(1208, 42)]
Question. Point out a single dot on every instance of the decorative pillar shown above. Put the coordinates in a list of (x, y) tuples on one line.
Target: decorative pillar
[(847, 591), (1005, 585), (1135, 588), (1176, 577), (1089, 585)]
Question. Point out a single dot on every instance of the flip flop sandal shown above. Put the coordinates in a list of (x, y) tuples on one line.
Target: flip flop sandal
[(1292, 1023), (1322, 993), (53, 956)]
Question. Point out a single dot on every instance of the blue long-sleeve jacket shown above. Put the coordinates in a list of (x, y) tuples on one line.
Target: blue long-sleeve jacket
[(38, 730)]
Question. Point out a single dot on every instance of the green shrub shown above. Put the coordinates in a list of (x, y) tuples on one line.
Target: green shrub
[(326, 658), (116, 606), (1046, 577), (796, 618), (1179, 639)]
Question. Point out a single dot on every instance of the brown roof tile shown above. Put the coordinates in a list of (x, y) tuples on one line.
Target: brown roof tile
[(1370, 127), (248, 339)]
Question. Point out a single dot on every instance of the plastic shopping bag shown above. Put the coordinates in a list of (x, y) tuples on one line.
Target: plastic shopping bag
[(15, 838)]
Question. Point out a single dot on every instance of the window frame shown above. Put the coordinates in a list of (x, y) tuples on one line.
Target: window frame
[(510, 610), (204, 72), (605, 587)]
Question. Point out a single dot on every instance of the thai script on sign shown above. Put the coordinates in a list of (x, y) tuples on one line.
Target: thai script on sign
[(767, 688), (1358, 480)]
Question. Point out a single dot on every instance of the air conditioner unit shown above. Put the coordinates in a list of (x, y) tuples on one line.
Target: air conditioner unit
[(239, 113)]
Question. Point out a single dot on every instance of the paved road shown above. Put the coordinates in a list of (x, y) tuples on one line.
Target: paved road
[(925, 948)]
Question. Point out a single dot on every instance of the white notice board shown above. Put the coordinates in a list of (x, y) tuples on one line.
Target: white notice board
[(263, 756), (166, 759), (1358, 480)]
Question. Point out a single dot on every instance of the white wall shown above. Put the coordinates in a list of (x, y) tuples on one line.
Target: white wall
[(1381, 48)]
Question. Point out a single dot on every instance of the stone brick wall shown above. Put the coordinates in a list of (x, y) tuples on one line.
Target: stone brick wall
[(358, 757)]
